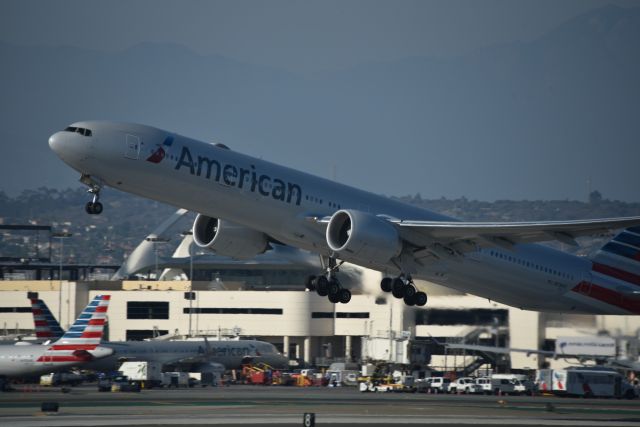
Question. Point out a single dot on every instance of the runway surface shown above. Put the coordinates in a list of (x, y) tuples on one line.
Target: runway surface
[(256, 405)]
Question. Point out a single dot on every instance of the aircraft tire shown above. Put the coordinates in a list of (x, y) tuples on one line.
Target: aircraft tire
[(421, 299), (322, 286), (410, 291), (334, 298), (386, 284), (310, 283), (410, 300), (334, 287), (397, 293), (345, 296)]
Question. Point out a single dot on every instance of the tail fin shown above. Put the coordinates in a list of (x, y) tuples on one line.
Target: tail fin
[(47, 327), (77, 344), (620, 257)]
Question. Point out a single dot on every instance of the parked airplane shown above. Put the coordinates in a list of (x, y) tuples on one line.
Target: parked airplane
[(188, 356), (79, 345), (244, 203)]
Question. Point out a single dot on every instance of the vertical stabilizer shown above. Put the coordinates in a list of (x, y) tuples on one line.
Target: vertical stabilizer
[(80, 343), (47, 327)]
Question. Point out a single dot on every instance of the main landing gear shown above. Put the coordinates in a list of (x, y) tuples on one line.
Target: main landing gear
[(94, 207), (403, 288), (328, 285)]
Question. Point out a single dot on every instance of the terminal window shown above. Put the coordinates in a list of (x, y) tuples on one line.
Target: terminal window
[(231, 310), (15, 309), (147, 310), (477, 317)]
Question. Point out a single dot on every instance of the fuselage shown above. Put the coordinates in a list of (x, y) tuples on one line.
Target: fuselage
[(278, 201), (190, 354)]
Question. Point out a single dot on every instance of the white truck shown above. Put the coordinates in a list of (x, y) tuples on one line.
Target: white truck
[(439, 384), (483, 385), (147, 374), (463, 385), (590, 382)]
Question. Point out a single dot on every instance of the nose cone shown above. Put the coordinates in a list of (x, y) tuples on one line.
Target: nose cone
[(55, 143), (71, 147)]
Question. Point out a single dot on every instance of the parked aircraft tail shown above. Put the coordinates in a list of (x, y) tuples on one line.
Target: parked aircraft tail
[(81, 342), (47, 327)]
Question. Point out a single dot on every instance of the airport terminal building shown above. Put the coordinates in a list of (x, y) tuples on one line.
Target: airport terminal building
[(312, 331)]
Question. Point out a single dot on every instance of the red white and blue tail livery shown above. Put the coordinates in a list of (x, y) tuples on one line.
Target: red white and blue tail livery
[(47, 327), (615, 273), (79, 345)]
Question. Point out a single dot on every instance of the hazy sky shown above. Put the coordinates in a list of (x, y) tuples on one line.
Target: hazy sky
[(332, 38), (293, 35)]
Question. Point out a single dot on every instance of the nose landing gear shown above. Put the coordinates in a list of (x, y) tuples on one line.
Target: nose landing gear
[(403, 288), (94, 207)]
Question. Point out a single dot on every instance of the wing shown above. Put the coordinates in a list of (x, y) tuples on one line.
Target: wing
[(506, 234)]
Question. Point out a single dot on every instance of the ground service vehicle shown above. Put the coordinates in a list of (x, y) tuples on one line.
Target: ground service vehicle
[(591, 382), (148, 374), (484, 385), (439, 384), (61, 378), (463, 385)]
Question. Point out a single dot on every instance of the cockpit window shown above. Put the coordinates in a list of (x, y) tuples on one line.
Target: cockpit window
[(81, 131)]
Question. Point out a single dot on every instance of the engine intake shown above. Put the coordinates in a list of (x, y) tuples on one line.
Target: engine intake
[(363, 237), (228, 238)]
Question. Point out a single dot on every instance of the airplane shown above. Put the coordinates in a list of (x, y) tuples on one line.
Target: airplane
[(188, 356), (79, 345), (245, 203)]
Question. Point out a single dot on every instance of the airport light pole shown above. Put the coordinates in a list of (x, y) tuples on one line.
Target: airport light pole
[(185, 234), (61, 236), (156, 240)]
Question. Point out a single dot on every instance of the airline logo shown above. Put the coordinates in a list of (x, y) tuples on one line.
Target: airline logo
[(84, 336), (247, 179), (47, 327), (161, 150)]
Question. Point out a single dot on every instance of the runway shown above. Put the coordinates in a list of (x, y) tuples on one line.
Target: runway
[(256, 405)]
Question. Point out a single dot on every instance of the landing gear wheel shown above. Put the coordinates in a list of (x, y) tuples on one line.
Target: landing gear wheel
[(410, 291), (322, 286), (310, 283), (386, 284), (97, 208), (410, 300), (421, 299), (93, 208), (398, 288), (334, 286), (344, 295), (334, 298)]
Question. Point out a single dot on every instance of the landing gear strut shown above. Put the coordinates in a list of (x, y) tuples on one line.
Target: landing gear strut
[(328, 285), (94, 207), (402, 287)]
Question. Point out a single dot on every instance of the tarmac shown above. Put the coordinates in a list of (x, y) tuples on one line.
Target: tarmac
[(341, 406)]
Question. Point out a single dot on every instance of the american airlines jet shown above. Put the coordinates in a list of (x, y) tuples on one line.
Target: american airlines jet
[(189, 356), (245, 203), (79, 345)]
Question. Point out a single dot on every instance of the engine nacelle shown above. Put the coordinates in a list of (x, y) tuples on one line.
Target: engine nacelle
[(362, 237), (227, 238)]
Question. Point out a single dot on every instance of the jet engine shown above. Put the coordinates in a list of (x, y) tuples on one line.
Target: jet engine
[(362, 237), (227, 238)]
